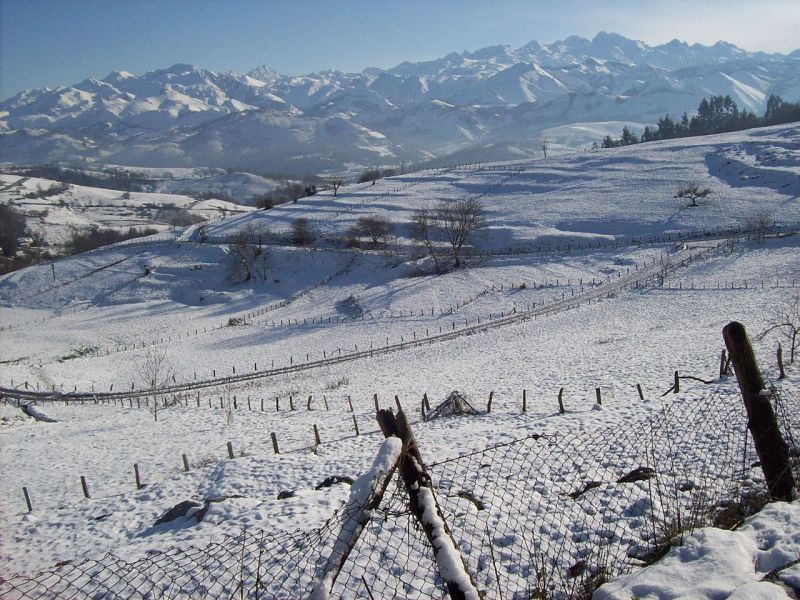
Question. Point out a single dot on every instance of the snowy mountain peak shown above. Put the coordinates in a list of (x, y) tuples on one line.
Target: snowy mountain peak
[(483, 102)]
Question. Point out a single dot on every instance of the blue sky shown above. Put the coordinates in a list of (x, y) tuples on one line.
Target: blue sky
[(56, 42)]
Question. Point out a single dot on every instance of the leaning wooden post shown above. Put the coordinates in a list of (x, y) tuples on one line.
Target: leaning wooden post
[(85, 487), (27, 499), (364, 499), (317, 441), (274, 443), (355, 426), (230, 450), (425, 400), (561, 401), (781, 372), (767, 439), (425, 508), (489, 404), (639, 389)]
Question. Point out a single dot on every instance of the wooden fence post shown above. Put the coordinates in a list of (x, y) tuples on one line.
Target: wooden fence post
[(230, 450), (561, 401), (425, 508), (85, 487), (677, 385), (639, 389), (722, 364), (185, 463), (274, 443), (317, 441), (489, 404), (598, 396), (524, 401), (27, 499), (136, 476), (375, 397), (767, 439), (781, 372), (355, 425)]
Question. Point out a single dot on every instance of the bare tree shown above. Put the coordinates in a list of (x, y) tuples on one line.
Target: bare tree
[(302, 232), (370, 175), (247, 254), (693, 193), (155, 372), (458, 222), (336, 183), (374, 227), (293, 190), (786, 320), (421, 231)]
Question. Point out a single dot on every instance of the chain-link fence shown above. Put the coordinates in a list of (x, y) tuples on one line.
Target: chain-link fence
[(546, 516)]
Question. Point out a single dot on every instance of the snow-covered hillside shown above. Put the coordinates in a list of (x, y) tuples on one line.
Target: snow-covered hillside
[(589, 275), (501, 100), (77, 209)]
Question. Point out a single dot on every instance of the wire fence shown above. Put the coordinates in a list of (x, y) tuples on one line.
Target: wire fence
[(545, 516)]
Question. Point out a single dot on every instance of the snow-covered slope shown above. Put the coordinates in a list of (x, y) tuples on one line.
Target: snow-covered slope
[(599, 241), (331, 121)]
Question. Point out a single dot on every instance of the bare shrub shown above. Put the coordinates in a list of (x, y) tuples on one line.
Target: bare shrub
[(247, 254), (156, 372)]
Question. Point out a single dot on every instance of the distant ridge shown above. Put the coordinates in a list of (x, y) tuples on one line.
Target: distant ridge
[(496, 102)]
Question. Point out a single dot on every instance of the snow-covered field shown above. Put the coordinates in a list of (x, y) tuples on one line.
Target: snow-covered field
[(79, 208), (552, 225)]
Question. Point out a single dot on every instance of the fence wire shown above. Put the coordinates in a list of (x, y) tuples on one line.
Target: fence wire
[(546, 516)]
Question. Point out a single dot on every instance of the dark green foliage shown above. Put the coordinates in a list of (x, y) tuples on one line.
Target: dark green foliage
[(718, 114), (96, 238)]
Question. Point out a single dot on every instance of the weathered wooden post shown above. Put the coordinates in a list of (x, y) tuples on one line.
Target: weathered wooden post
[(781, 372), (676, 387), (375, 398), (27, 499), (598, 395), (561, 401), (489, 404), (639, 389), (274, 443), (230, 450), (185, 462), (767, 439), (317, 441), (85, 487), (355, 426), (524, 401), (425, 508), (136, 476)]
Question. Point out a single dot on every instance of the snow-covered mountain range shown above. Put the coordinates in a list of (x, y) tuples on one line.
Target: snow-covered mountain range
[(494, 103)]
